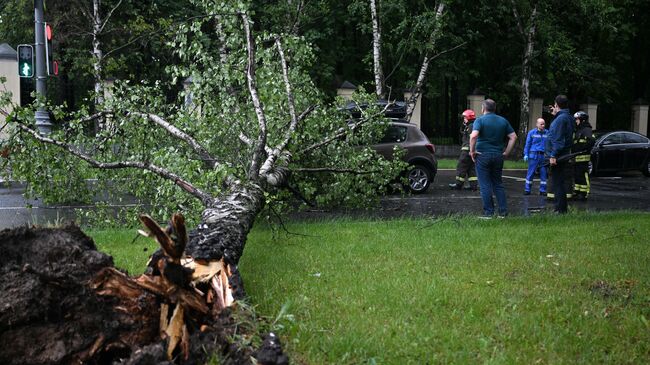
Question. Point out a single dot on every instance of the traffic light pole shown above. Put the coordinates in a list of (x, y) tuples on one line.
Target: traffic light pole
[(42, 116)]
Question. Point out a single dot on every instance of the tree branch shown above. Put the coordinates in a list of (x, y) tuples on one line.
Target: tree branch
[(259, 150), (410, 104), (95, 116), (334, 170), (183, 184), (178, 133), (520, 24), (249, 142), (447, 51), (272, 157), (293, 29), (342, 132), (131, 41), (108, 16)]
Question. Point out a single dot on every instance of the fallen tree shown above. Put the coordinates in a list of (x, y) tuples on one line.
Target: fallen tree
[(235, 148)]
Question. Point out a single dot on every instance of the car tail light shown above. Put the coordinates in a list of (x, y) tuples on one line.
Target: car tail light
[(431, 148)]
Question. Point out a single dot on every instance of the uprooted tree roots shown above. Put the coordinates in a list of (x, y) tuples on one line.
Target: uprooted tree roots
[(63, 302)]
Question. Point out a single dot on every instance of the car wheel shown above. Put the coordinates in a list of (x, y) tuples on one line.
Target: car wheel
[(419, 179), (646, 171)]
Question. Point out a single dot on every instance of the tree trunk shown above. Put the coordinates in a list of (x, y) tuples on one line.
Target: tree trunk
[(97, 62), (524, 114), (376, 50), (224, 227)]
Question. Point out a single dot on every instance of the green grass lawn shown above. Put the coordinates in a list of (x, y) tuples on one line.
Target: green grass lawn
[(546, 289), (450, 163)]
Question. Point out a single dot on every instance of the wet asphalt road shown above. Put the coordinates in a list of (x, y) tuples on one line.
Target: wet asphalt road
[(609, 193), (15, 210), (629, 191)]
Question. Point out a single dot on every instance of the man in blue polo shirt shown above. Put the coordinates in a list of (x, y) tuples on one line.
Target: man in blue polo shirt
[(486, 146), (558, 144)]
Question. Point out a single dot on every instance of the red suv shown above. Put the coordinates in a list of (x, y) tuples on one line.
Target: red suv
[(419, 153)]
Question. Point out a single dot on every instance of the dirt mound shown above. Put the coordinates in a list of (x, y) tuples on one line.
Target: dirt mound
[(52, 313)]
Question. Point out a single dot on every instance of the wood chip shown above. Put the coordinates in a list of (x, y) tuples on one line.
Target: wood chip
[(185, 343), (168, 245), (227, 292), (175, 330), (164, 318), (99, 342), (202, 271)]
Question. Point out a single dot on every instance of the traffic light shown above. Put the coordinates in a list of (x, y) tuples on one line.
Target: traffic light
[(51, 65), (25, 60)]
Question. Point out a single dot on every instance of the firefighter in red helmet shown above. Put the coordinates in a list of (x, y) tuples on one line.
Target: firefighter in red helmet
[(465, 169)]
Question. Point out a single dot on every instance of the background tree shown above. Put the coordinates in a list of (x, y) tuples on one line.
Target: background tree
[(376, 49), (527, 28)]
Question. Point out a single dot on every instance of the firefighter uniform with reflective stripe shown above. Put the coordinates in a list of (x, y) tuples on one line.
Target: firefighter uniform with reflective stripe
[(465, 169), (583, 141), (534, 150), (556, 146)]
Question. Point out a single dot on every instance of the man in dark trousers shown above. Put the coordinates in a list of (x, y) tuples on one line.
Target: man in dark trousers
[(558, 145), (486, 146), (465, 169), (583, 142), (534, 155)]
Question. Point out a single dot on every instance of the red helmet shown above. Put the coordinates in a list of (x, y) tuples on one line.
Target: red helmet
[(469, 114)]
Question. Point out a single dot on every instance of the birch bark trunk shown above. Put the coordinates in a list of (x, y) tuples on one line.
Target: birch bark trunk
[(98, 57), (376, 49)]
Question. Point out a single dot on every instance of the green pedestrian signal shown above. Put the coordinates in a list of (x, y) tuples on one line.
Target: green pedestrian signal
[(25, 60)]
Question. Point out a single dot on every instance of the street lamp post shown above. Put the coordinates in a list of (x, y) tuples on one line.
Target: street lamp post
[(42, 117)]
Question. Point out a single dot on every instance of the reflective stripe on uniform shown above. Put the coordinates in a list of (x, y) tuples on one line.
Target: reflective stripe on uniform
[(583, 158), (460, 178), (464, 149), (552, 196), (582, 188), (473, 178)]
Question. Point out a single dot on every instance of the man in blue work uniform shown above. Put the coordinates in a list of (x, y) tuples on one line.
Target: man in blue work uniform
[(558, 145), (534, 155)]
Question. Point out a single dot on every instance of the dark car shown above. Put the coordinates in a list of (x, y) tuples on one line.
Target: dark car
[(419, 153), (620, 151), (393, 109)]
